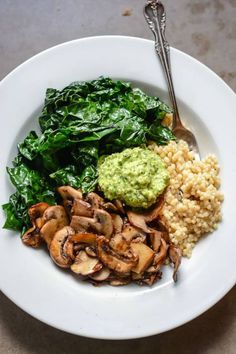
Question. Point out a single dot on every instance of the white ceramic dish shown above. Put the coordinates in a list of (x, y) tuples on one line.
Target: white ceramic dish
[(32, 281)]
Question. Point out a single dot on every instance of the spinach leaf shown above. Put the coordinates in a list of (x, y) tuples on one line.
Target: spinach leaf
[(31, 185), (88, 179)]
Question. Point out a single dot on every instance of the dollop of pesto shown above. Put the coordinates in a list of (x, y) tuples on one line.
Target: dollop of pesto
[(136, 176)]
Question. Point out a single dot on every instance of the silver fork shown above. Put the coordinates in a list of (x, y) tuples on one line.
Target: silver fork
[(155, 16)]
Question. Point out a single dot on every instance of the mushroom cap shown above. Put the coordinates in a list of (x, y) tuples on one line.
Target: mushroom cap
[(81, 208), (37, 210), (112, 260), (84, 224), (84, 238), (101, 275), (153, 212), (55, 218), (130, 233), (95, 200), (85, 265), (68, 192), (138, 220), (105, 220), (145, 256), (60, 250), (175, 257), (32, 237), (117, 223), (155, 238)]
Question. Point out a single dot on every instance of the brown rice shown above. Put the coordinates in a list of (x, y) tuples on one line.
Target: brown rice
[(193, 200)]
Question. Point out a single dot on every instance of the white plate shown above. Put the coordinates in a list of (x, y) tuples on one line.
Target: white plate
[(32, 281)]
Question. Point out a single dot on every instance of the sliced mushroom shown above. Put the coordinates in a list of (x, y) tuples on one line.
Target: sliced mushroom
[(32, 237), (36, 213), (138, 220), (110, 207), (101, 223), (85, 265), (119, 206), (117, 223), (90, 251), (84, 238), (145, 256), (119, 281), (160, 257), (175, 257), (155, 238), (83, 224), (81, 208), (113, 261), (56, 212), (55, 218), (68, 192), (160, 225), (119, 244), (95, 200), (61, 250), (105, 220), (101, 275), (130, 233), (154, 211), (149, 279)]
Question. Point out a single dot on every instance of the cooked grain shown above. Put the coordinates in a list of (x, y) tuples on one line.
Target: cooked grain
[(193, 199)]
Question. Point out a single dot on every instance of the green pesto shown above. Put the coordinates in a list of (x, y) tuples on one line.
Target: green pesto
[(136, 176)]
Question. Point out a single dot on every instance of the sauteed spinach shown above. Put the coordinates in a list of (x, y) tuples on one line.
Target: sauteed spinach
[(79, 124)]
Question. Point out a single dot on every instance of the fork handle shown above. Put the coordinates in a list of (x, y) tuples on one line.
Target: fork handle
[(155, 16)]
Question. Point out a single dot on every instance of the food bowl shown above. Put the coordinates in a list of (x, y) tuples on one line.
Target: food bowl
[(30, 279)]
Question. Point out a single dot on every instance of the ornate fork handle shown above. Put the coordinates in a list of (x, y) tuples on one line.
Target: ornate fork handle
[(155, 16)]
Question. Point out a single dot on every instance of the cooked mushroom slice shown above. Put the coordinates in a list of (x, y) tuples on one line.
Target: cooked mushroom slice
[(32, 237), (119, 244), (119, 281), (175, 257), (81, 208), (131, 233), (95, 200), (101, 223), (90, 251), (61, 250), (155, 238), (119, 206), (138, 220), (154, 211), (159, 225), (84, 238), (85, 265), (83, 224), (110, 207), (160, 257), (101, 275), (117, 223), (105, 220), (149, 279), (145, 256), (113, 261), (36, 213), (78, 247), (68, 192), (136, 276), (56, 212), (55, 218)]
